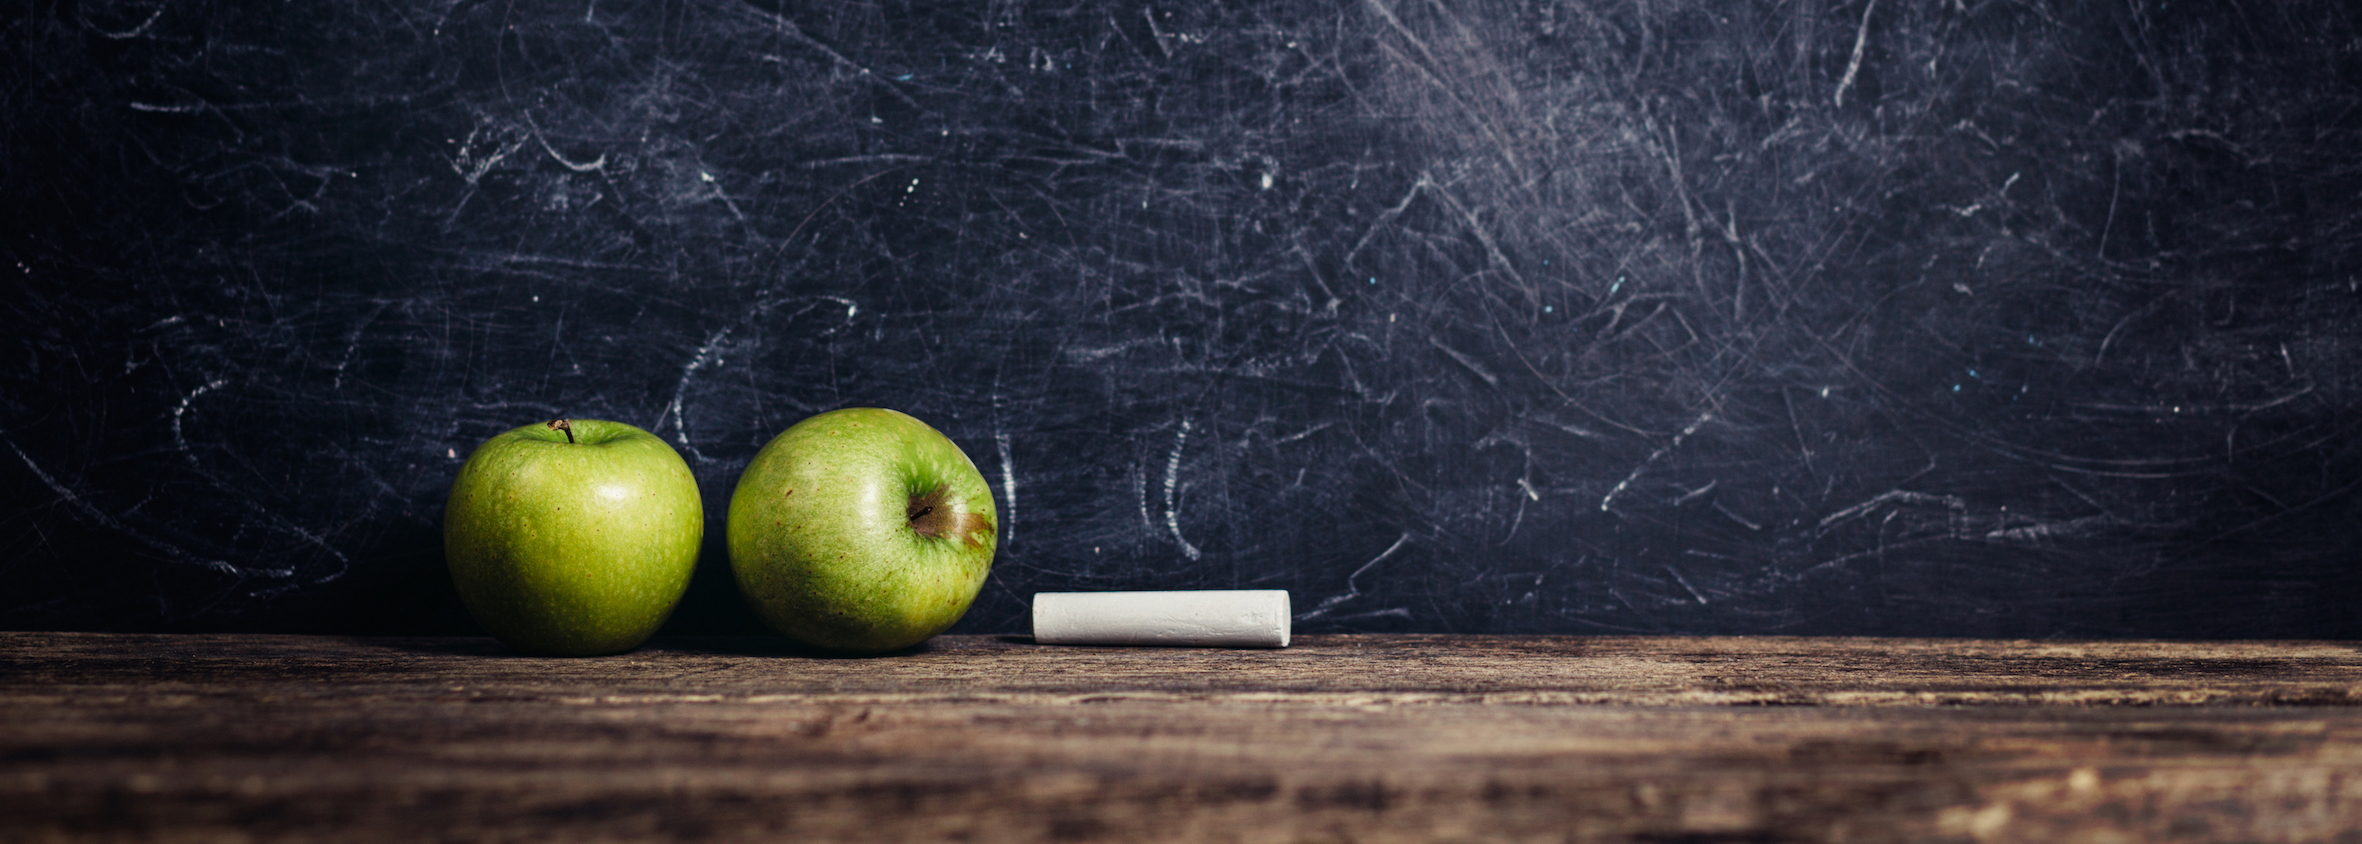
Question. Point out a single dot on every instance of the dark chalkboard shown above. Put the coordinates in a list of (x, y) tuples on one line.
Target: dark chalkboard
[(1935, 317)]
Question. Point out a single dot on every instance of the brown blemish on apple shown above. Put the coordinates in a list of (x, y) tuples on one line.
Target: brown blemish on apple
[(932, 516)]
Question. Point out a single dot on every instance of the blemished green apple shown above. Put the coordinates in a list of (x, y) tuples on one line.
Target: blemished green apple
[(861, 530), (573, 537)]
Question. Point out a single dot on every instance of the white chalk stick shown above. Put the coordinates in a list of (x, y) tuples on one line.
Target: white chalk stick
[(1240, 618)]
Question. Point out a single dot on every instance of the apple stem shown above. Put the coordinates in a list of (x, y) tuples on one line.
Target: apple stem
[(563, 425)]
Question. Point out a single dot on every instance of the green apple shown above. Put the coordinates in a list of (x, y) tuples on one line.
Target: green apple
[(573, 537), (861, 530)]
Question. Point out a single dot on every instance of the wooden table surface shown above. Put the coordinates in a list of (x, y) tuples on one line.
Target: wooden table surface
[(1336, 739)]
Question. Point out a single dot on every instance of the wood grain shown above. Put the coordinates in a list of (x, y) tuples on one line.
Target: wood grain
[(1340, 738)]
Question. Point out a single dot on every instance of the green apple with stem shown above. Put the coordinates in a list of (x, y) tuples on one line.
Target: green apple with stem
[(861, 530), (573, 537)]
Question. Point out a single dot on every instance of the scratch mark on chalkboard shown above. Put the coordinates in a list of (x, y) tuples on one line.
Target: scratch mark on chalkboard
[(136, 31), (1841, 560), (68, 495), (1524, 479), (1739, 246), (343, 562), (1172, 491), (471, 163), (1157, 34), (1303, 433), (2049, 530), (1693, 591), (725, 197), (1670, 150), (1484, 237), (796, 33), (1518, 520), (599, 164), (1353, 582), (1568, 427), (2165, 410), (879, 158), (1140, 495), (1091, 355), (352, 343), (2115, 192), (1854, 66), (1803, 447), (1386, 217), (1953, 503), (1608, 501), (681, 389), (1008, 529), (1465, 361), (181, 410)]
